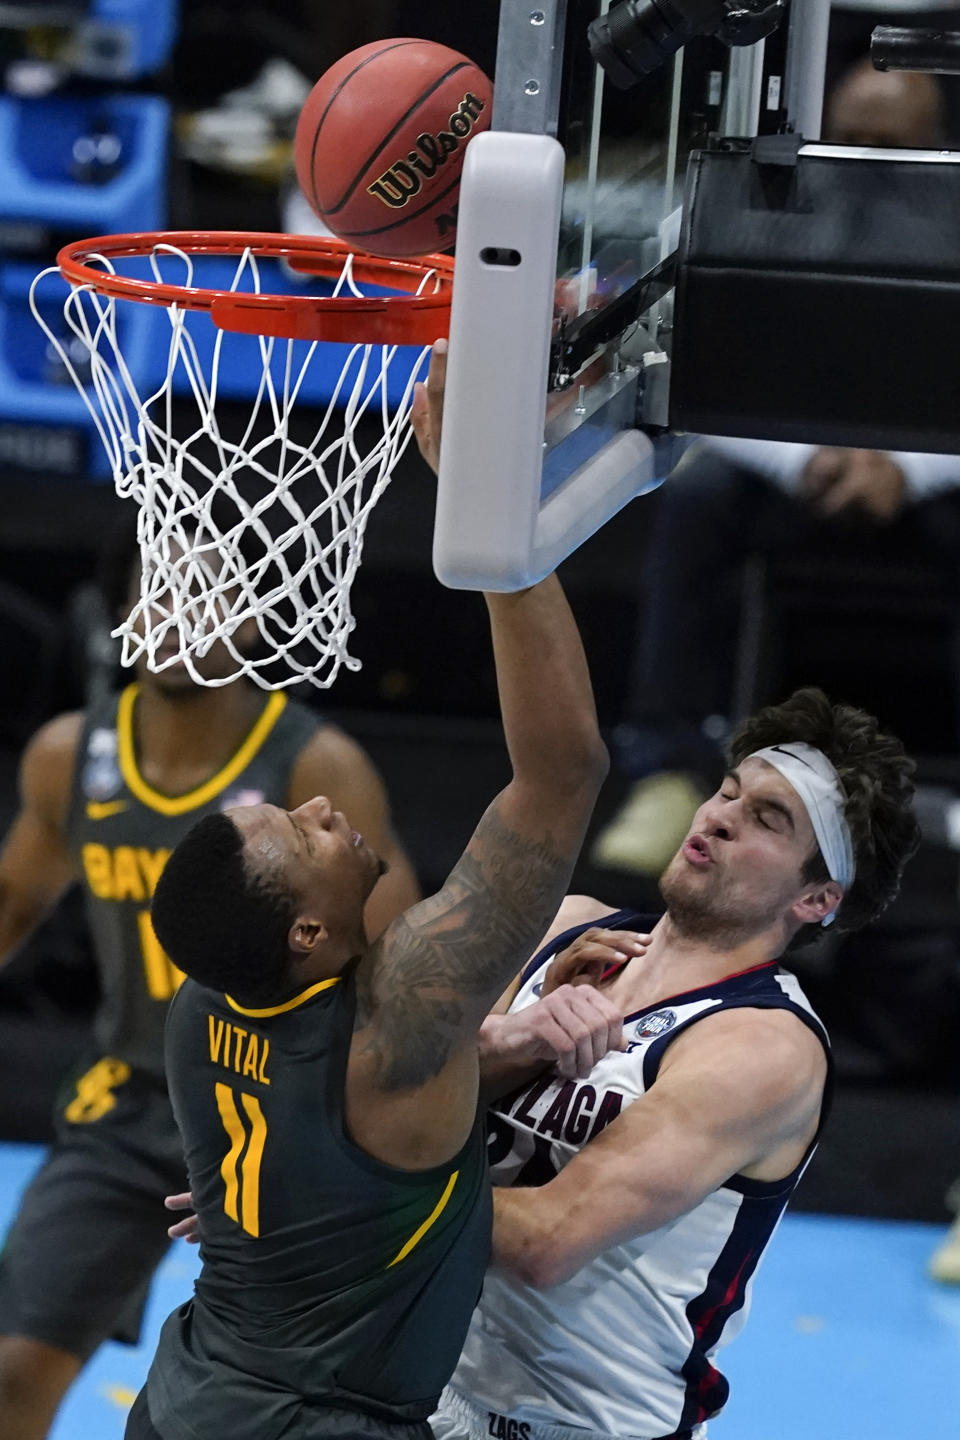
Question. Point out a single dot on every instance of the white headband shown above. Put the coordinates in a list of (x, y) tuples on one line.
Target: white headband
[(817, 783)]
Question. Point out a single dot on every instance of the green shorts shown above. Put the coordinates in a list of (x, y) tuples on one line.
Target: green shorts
[(91, 1228)]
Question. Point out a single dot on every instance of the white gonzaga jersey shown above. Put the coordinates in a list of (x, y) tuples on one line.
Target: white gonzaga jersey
[(626, 1347)]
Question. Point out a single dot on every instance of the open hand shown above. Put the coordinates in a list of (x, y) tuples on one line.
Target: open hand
[(189, 1228), (427, 409), (591, 957)]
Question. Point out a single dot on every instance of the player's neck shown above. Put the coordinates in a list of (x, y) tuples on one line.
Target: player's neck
[(675, 963), (183, 738)]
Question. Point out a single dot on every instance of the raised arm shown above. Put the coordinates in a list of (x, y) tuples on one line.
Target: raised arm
[(425, 988), (35, 865), (429, 983)]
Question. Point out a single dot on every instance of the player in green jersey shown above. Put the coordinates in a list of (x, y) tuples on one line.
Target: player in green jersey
[(105, 797), (327, 1089)]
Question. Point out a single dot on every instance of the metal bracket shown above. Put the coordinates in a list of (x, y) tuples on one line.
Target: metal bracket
[(526, 98), (576, 340)]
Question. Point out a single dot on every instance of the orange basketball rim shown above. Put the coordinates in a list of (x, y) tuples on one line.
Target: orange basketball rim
[(417, 315)]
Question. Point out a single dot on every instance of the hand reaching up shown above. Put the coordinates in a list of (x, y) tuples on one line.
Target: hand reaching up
[(427, 409)]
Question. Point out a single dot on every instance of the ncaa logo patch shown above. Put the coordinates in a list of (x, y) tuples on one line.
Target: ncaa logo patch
[(100, 778), (656, 1024)]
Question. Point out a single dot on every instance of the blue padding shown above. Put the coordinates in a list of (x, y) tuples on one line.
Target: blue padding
[(240, 358), (38, 169), (146, 30), (34, 387)]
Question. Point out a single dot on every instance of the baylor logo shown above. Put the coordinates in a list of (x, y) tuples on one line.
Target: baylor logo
[(397, 186)]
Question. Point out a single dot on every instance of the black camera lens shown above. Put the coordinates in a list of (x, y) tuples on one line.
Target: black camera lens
[(637, 36)]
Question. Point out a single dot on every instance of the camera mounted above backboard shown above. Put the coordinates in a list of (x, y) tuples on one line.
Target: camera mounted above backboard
[(636, 37)]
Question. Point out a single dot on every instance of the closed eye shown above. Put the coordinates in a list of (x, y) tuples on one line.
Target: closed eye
[(304, 838)]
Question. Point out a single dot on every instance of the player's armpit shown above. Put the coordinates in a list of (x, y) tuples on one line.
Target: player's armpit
[(334, 765), (35, 863), (743, 1089)]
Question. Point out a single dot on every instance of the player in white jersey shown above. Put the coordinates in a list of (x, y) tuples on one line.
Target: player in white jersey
[(630, 1211), (634, 1202)]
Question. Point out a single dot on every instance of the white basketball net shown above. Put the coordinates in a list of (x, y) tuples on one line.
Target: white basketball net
[(255, 531)]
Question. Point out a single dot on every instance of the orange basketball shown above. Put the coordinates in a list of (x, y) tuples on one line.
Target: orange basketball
[(380, 144)]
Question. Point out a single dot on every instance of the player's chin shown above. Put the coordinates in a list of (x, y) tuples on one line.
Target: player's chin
[(172, 680)]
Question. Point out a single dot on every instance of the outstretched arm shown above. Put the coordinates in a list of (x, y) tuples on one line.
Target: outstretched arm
[(438, 970), (425, 988), (35, 864)]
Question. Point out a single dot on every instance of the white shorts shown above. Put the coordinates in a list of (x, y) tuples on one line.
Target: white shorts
[(457, 1418)]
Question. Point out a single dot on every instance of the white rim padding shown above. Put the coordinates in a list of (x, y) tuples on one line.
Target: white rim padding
[(492, 530)]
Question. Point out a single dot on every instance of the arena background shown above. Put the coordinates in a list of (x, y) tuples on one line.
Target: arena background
[(424, 702)]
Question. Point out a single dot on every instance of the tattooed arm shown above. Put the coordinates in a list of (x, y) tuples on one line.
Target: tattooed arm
[(426, 986), (424, 989), (441, 965)]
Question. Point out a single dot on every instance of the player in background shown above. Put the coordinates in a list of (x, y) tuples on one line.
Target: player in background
[(632, 1206), (105, 797), (336, 1150)]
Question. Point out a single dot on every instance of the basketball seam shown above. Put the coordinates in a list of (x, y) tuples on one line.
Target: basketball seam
[(351, 188), (385, 50), (404, 219)]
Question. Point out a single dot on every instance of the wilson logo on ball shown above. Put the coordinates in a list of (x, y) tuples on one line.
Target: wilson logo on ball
[(397, 186)]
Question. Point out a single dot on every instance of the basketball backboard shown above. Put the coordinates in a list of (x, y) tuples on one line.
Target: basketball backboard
[(566, 203)]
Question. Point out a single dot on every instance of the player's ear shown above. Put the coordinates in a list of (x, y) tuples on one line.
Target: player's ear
[(814, 905), (305, 935)]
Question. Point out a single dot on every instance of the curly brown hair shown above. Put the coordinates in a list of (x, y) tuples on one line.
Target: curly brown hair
[(875, 772)]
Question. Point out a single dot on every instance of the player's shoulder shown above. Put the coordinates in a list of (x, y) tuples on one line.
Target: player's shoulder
[(579, 910), (48, 762), (330, 760), (772, 1044), (56, 741)]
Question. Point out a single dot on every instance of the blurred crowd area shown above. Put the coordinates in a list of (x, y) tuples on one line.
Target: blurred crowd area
[(756, 568)]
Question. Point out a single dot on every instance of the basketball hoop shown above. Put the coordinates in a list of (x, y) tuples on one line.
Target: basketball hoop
[(260, 532)]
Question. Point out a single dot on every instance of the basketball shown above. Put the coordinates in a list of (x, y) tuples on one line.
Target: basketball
[(380, 144)]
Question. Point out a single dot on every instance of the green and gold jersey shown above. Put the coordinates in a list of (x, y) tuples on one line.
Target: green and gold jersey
[(332, 1284), (122, 831)]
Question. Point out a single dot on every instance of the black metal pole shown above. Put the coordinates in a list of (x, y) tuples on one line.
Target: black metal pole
[(937, 52)]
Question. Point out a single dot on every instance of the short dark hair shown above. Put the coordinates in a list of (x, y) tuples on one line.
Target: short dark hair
[(875, 773), (223, 925)]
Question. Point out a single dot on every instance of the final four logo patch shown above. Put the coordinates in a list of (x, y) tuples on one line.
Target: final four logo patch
[(101, 778), (656, 1024)]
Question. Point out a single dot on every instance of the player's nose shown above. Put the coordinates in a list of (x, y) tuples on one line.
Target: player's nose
[(317, 811), (718, 818)]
